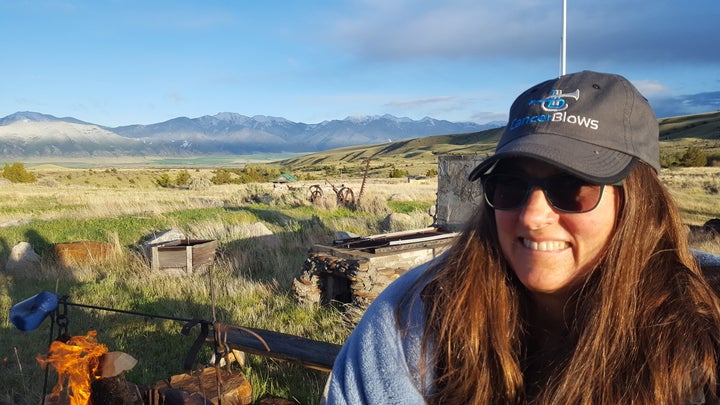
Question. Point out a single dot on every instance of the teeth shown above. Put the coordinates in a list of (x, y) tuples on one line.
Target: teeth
[(547, 245)]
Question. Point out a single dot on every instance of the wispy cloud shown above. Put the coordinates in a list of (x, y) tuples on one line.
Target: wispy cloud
[(686, 104), (424, 102), (651, 88)]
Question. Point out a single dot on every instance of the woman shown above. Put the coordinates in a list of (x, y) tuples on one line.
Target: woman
[(573, 284)]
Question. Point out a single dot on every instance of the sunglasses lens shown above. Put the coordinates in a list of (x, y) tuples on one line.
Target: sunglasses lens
[(505, 192), (571, 194), (564, 192)]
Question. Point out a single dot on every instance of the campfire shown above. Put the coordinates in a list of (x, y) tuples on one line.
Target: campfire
[(81, 363), (90, 374)]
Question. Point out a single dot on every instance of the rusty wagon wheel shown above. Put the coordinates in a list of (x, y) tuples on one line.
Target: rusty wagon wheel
[(345, 196), (316, 193)]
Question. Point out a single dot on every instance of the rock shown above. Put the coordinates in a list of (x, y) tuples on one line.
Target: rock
[(23, 260), (262, 235), (257, 229), (396, 222), (164, 237), (158, 239), (400, 197), (342, 235)]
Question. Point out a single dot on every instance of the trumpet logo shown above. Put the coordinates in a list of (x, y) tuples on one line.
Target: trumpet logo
[(556, 101)]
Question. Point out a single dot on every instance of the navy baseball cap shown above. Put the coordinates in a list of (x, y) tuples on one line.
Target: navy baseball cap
[(594, 125)]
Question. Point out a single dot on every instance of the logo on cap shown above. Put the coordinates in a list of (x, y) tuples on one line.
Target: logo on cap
[(556, 101), (555, 105)]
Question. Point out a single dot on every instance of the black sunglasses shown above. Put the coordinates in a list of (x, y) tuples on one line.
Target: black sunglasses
[(564, 192)]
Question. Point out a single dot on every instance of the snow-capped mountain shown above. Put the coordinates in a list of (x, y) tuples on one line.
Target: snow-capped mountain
[(36, 134)]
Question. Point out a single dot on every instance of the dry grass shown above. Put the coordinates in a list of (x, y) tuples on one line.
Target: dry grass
[(696, 191)]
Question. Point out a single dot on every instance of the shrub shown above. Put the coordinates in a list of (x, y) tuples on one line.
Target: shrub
[(17, 173), (694, 157), (183, 178), (163, 180), (398, 173), (713, 159), (669, 159), (222, 176)]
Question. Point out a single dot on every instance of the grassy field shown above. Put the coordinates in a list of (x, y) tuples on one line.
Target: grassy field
[(252, 273)]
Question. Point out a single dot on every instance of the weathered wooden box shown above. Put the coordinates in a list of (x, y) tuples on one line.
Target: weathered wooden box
[(185, 254)]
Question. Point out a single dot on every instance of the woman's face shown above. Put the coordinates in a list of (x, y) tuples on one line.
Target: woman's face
[(551, 251)]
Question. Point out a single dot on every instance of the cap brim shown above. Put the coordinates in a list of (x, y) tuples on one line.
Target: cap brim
[(590, 162)]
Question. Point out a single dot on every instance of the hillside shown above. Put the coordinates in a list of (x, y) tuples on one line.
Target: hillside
[(697, 126), (419, 154)]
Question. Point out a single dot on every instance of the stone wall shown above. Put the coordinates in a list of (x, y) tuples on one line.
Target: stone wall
[(457, 197), (356, 277)]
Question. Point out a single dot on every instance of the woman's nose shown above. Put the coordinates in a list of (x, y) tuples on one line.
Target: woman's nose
[(537, 210)]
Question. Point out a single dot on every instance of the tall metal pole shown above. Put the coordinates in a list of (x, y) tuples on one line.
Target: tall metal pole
[(563, 58)]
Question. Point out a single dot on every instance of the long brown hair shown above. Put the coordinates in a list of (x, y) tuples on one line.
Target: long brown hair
[(644, 328)]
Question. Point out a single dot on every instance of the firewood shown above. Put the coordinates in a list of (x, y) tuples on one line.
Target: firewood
[(234, 388), (182, 397), (114, 391), (114, 363), (229, 358)]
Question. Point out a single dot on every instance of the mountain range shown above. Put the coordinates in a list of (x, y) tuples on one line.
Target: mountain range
[(33, 134)]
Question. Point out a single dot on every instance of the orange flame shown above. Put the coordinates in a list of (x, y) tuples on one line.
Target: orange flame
[(76, 363)]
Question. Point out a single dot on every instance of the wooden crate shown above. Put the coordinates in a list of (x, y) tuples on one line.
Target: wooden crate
[(185, 254)]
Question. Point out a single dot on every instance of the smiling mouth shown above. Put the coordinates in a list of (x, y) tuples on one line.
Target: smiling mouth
[(545, 245)]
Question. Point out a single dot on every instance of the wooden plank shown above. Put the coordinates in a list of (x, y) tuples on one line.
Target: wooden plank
[(299, 350), (425, 239), (204, 253), (390, 248), (173, 258), (155, 257), (189, 258), (187, 254)]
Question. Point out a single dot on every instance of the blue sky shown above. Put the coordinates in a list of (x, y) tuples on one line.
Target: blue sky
[(122, 62)]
